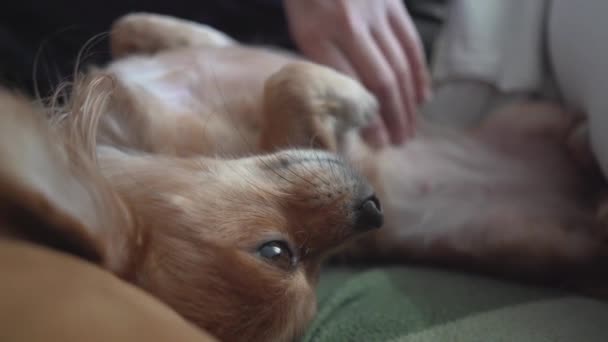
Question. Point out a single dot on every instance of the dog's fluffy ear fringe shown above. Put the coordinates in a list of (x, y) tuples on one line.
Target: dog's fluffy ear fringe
[(50, 189)]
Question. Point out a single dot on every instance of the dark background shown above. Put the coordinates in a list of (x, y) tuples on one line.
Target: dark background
[(40, 40)]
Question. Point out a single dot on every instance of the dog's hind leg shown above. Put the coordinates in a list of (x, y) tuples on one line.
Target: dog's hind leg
[(144, 33)]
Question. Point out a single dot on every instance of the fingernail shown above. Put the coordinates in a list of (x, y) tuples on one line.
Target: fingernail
[(380, 140), (399, 138), (375, 137), (427, 94)]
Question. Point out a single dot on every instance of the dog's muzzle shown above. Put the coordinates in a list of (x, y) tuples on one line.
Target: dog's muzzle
[(369, 214)]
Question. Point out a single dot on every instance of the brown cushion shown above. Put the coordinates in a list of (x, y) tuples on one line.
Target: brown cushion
[(49, 296)]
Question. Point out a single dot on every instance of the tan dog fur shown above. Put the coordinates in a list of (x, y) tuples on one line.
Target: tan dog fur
[(140, 181), (52, 297), (119, 179), (510, 195)]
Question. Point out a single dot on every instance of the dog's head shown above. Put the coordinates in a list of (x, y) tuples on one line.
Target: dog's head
[(235, 245), (232, 245)]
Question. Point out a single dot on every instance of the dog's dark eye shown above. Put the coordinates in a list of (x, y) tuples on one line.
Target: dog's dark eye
[(278, 253)]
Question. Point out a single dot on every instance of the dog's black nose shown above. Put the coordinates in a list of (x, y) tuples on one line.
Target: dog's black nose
[(369, 214)]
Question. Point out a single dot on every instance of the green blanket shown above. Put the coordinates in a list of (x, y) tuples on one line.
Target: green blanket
[(417, 304)]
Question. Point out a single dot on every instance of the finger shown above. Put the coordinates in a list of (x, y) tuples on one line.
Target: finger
[(375, 134), (376, 74), (391, 48), (407, 34), (327, 53)]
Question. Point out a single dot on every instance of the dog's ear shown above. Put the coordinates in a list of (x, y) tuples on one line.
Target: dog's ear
[(51, 193)]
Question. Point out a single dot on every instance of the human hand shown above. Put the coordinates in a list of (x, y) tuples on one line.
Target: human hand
[(375, 42)]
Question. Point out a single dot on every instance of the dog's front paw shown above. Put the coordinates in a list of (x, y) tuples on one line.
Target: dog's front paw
[(347, 100), (325, 92), (311, 105)]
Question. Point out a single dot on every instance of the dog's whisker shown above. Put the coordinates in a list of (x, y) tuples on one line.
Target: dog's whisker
[(83, 54), (299, 176), (253, 184), (38, 59), (307, 171), (325, 177)]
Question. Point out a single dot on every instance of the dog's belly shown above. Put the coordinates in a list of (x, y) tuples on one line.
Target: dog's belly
[(221, 89), (452, 198)]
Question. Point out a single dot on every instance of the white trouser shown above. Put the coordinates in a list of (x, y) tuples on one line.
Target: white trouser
[(492, 51), (578, 48)]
